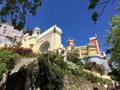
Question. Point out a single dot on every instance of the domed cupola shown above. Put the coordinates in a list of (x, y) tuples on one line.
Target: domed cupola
[(36, 30)]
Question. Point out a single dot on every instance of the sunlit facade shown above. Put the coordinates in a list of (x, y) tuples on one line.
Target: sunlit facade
[(49, 40), (39, 42), (9, 35), (87, 50)]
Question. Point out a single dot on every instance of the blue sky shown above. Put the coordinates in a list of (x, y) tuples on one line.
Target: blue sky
[(73, 18)]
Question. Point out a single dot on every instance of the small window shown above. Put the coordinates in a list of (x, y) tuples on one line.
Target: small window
[(4, 31)]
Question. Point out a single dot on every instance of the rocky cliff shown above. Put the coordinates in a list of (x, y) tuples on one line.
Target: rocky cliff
[(26, 73), (23, 76)]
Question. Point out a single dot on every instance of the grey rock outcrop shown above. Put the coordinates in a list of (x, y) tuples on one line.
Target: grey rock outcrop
[(23, 76)]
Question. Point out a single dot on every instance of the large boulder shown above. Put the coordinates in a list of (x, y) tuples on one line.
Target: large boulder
[(23, 76)]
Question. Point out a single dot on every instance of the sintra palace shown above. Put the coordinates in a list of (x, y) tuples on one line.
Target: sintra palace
[(49, 40)]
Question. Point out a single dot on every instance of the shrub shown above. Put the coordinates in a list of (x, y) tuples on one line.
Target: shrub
[(95, 67), (73, 68), (2, 69), (73, 58), (88, 66), (52, 68), (5, 57), (115, 73), (50, 74), (62, 64), (22, 51), (94, 79), (90, 77)]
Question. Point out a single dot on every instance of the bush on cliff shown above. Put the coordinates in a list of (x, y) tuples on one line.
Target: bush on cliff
[(50, 74), (52, 69), (2, 69), (24, 52), (5, 57)]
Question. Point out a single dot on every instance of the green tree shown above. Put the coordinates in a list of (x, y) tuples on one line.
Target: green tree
[(2, 69), (5, 56), (50, 73), (73, 56), (94, 3), (113, 38), (17, 10), (115, 73)]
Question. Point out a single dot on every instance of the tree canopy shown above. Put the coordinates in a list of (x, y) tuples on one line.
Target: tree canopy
[(113, 40), (94, 3), (113, 37), (16, 11)]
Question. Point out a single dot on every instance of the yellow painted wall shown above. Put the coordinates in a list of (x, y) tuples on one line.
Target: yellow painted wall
[(92, 51), (1, 45), (28, 42), (56, 41)]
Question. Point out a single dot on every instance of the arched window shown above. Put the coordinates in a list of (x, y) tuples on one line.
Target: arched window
[(44, 47)]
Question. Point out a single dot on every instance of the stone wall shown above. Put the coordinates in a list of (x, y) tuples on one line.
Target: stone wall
[(72, 83)]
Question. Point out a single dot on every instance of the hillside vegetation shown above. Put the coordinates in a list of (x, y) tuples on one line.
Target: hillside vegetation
[(52, 69)]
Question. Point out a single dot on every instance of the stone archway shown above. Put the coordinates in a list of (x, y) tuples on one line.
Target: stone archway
[(44, 47), (50, 39)]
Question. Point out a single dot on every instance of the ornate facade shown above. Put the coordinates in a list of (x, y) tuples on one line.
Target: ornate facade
[(49, 40), (87, 50), (9, 35), (43, 42), (38, 42)]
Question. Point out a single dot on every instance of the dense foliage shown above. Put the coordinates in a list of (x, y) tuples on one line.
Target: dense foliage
[(11, 55), (17, 10), (94, 79), (95, 3), (5, 57), (95, 67), (113, 40), (2, 69), (115, 73), (52, 69), (113, 37), (50, 75), (72, 57), (24, 52)]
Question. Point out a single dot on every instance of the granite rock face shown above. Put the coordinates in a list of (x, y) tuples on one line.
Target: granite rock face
[(23, 76), (26, 73)]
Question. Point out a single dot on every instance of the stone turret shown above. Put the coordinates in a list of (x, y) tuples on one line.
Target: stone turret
[(36, 32), (70, 43), (94, 40)]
